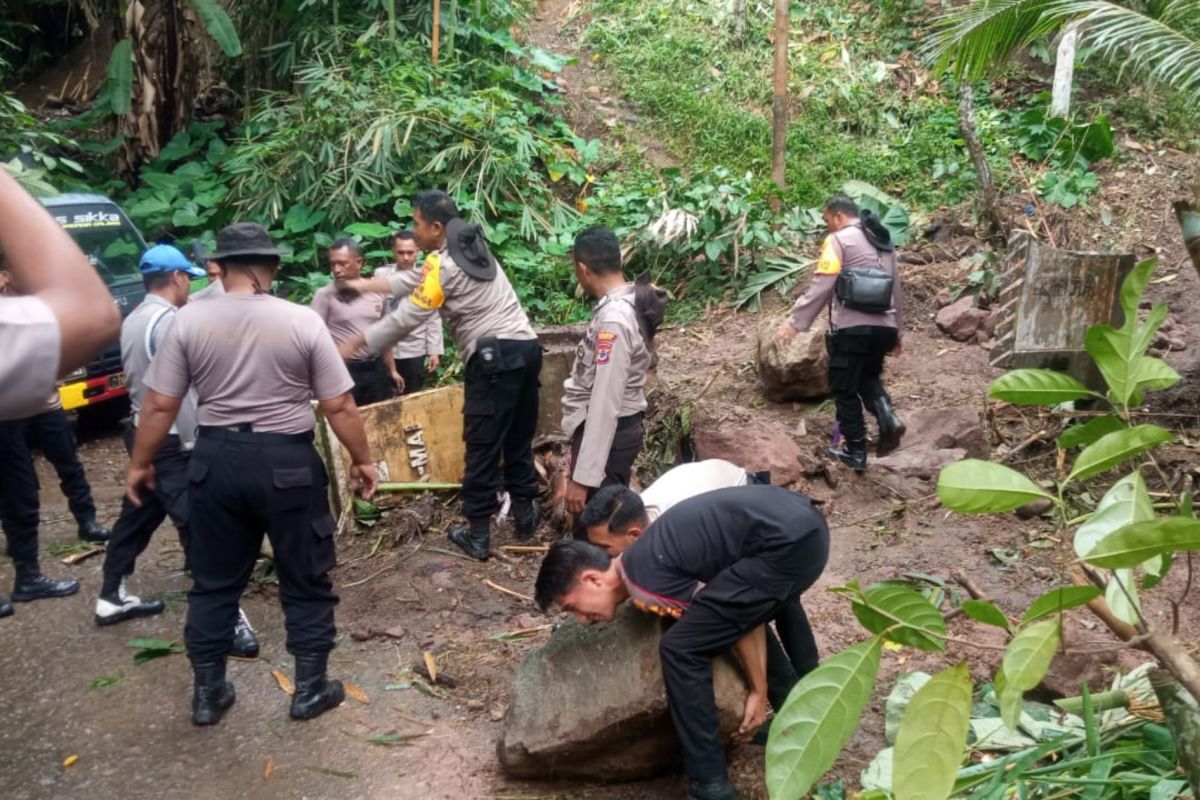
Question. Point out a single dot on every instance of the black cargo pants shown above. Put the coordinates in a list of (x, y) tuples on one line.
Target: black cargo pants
[(500, 414), (856, 358), (169, 498), (240, 486), (627, 443), (372, 382), (18, 493), (748, 593), (51, 433)]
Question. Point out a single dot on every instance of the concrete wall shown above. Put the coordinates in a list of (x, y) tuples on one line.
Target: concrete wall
[(559, 343)]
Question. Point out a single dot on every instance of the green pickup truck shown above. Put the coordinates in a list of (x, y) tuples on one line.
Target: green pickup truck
[(114, 246)]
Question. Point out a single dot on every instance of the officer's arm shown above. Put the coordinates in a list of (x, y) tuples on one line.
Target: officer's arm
[(898, 296), (751, 651), (343, 416), (604, 407), (43, 260), (820, 289), (422, 303)]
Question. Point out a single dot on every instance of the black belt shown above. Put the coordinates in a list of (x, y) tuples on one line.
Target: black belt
[(244, 433), (363, 362), (632, 419)]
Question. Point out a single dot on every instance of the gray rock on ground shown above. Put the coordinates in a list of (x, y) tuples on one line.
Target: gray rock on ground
[(755, 443), (591, 704), (961, 320), (796, 371), (936, 437)]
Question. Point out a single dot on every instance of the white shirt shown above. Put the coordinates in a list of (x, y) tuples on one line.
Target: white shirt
[(32, 350), (688, 480)]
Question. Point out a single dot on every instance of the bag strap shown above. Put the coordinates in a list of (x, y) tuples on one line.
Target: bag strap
[(151, 348)]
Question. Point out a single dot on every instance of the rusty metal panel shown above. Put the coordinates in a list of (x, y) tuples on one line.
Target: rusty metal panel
[(1049, 299)]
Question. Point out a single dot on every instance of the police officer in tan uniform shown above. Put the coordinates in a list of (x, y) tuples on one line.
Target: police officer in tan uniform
[(348, 314), (859, 337), (256, 363), (463, 281), (604, 398), (420, 353)]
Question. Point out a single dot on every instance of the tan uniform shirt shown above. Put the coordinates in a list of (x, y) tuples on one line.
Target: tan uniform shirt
[(688, 480), (253, 359), (425, 340), (471, 307), (214, 289), (845, 249), (348, 317), (142, 336), (32, 345), (607, 381)]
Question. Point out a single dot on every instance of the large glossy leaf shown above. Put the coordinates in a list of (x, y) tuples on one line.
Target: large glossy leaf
[(1011, 701), (1037, 387), (219, 26), (1090, 431), (1125, 503), (1115, 448), (120, 78), (933, 734), (1141, 541), (1029, 654), (1056, 600), (888, 605), (985, 611), (819, 717), (981, 487)]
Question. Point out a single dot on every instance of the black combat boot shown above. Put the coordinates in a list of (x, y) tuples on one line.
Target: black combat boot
[(891, 429), (31, 584), (852, 453), (527, 515), (6, 608), (719, 789), (315, 693), (245, 643), (118, 605), (212, 695), (475, 539), (92, 531)]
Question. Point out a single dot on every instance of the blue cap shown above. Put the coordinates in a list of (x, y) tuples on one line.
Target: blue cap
[(165, 258)]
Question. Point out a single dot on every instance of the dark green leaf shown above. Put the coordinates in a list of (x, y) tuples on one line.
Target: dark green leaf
[(120, 78), (1028, 655), (1090, 431), (219, 26), (888, 605), (1056, 600), (985, 611)]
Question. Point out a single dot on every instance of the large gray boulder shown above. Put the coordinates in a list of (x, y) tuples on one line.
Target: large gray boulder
[(591, 704), (798, 370)]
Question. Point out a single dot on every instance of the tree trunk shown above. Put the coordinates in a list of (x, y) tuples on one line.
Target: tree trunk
[(738, 11), (1183, 720), (779, 102), (1064, 71), (1189, 224), (166, 79), (989, 213)]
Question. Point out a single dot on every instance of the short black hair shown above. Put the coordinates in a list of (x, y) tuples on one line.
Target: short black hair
[(157, 280), (617, 505), (599, 249), (346, 243), (436, 206), (247, 262), (561, 568), (406, 235), (842, 204)]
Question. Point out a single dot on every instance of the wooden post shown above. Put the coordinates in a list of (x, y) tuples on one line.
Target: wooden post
[(779, 102), (437, 28), (1189, 224)]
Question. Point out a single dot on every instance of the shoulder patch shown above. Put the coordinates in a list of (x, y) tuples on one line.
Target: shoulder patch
[(428, 294), (829, 263), (604, 346)]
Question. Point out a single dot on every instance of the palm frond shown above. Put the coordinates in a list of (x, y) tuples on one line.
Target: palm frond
[(1162, 49), (974, 39)]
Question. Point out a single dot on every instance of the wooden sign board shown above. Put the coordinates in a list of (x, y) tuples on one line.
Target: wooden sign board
[(1049, 298), (417, 437)]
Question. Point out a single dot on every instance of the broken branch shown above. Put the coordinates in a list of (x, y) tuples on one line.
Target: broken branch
[(508, 592)]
